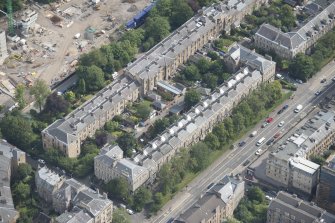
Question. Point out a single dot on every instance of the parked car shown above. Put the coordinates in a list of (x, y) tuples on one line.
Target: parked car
[(270, 141), (211, 185), (324, 80), (317, 93), (242, 143), (269, 120), (285, 107), (277, 135), (333, 78), (131, 212), (281, 124), (246, 162), (265, 124), (280, 111), (258, 152), (267, 197)]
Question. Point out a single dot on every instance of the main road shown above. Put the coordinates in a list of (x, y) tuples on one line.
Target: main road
[(232, 161)]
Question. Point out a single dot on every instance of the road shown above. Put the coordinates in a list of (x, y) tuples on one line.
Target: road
[(231, 162)]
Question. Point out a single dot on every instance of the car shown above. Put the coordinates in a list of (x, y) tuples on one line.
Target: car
[(299, 81), (246, 162), (265, 124), (317, 93), (324, 80), (211, 185), (269, 120), (242, 143), (268, 197), (333, 78), (277, 135), (40, 161), (280, 111), (131, 212), (281, 124), (270, 142), (285, 107), (258, 152)]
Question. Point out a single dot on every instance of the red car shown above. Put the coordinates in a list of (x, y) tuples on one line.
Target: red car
[(277, 135), (269, 120)]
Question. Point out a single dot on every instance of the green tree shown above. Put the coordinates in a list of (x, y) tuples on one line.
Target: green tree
[(256, 194), (192, 97), (94, 57), (142, 197), (127, 143), (21, 191), (111, 126), (143, 110), (82, 86), (93, 75), (135, 36), (19, 95), (200, 156), (203, 65), (56, 104), (318, 159), (157, 202), (211, 81), (157, 28), (40, 91), (181, 12), (70, 96), (302, 67), (118, 188), (212, 141), (121, 216), (17, 131), (191, 73), (159, 126), (24, 170), (221, 133)]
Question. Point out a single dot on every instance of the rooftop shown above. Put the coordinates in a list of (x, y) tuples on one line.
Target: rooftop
[(291, 205), (9, 150), (76, 215)]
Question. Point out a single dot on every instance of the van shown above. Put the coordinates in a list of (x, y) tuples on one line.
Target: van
[(260, 142), (298, 109), (253, 134)]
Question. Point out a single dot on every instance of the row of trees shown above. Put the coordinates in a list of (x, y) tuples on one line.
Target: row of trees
[(253, 207), (304, 66)]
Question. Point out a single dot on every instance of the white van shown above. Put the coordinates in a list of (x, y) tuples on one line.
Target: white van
[(260, 142), (298, 109)]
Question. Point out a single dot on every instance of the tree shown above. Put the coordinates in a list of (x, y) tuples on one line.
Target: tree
[(70, 96), (17, 131), (203, 65), (318, 159), (212, 141), (19, 95), (192, 97), (157, 28), (92, 75), (191, 73), (181, 12), (111, 126), (135, 36), (199, 154), (127, 143), (40, 91), (142, 197), (56, 104), (157, 202), (302, 67), (21, 191), (24, 170), (159, 126), (143, 110), (256, 194), (121, 216), (101, 138), (211, 81), (118, 188), (82, 86)]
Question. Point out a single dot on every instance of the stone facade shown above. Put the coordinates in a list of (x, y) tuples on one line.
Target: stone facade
[(3, 47)]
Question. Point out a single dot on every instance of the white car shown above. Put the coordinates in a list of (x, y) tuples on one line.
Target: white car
[(268, 197), (258, 151), (281, 124), (131, 212)]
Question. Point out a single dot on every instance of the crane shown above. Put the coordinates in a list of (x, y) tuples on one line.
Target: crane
[(11, 31)]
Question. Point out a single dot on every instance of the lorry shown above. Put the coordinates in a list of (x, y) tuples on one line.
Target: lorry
[(260, 142), (298, 109), (253, 134)]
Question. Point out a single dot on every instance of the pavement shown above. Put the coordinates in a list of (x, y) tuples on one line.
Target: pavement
[(231, 161)]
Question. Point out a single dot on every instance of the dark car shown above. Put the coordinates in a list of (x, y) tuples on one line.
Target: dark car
[(211, 185), (323, 80), (242, 143), (285, 107), (280, 111), (270, 142), (246, 162)]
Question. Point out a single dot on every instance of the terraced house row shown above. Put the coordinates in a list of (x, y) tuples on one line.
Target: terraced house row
[(253, 70), (160, 63)]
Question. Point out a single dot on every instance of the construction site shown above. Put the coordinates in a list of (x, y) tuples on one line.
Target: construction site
[(45, 41)]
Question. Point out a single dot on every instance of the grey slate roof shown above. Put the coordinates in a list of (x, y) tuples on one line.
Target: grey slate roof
[(10, 151), (302, 210), (66, 129), (76, 215)]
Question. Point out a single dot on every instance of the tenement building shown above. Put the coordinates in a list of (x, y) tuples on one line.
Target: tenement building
[(289, 208), (325, 194), (75, 201), (159, 63), (289, 44), (217, 204), (195, 124), (10, 158), (68, 133), (288, 164), (3, 47)]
